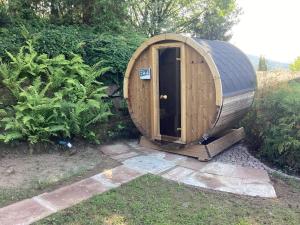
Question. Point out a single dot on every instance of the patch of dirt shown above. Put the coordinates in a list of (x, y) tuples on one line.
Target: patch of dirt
[(288, 192), (21, 170)]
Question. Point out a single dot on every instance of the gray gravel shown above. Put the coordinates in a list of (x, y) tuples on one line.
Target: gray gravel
[(239, 155)]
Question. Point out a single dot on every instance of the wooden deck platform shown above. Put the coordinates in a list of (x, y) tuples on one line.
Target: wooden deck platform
[(200, 151)]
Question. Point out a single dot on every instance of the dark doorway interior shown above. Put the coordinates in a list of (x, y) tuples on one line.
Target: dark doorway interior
[(169, 92)]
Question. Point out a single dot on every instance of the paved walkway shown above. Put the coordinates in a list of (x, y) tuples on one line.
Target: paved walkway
[(137, 161)]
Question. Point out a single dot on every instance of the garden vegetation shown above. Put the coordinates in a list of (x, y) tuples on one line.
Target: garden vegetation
[(273, 127), (52, 97), (59, 56)]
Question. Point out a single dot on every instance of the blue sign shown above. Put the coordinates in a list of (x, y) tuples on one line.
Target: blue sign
[(145, 73)]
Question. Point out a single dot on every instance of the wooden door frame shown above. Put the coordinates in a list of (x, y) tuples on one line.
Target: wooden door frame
[(155, 116)]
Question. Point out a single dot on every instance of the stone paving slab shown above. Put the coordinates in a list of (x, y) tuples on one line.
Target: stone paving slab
[(117, 176), (230, 184), (168, 156), (193, 164), (72, 194), (210, 181), (124, 156), (265, 190), (178, 173), (174, 157), (154, 164), (23, 213), (212, 175), (147, 150), (229, 170)]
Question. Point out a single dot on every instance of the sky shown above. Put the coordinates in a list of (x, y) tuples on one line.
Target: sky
[(270, 28)]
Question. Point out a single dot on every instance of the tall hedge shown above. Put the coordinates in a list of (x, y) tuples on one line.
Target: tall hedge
[(107, 49)]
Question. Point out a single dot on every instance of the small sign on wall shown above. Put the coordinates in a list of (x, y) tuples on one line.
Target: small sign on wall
[(145, 73)]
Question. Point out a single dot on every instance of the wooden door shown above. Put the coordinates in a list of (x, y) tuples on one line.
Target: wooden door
[(169, 91)]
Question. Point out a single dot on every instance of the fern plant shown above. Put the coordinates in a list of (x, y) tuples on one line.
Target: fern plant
[(55, 97)]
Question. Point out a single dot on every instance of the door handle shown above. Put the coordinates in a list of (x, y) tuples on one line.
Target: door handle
[(163, 97)]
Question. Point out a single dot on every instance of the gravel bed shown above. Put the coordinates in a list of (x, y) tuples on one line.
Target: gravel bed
[(239, 155)]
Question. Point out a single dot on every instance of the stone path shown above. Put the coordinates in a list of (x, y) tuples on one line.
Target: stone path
[(239, 155), (137, 161)]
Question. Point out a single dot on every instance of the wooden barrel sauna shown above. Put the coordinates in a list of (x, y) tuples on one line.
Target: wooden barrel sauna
[(182, 89)]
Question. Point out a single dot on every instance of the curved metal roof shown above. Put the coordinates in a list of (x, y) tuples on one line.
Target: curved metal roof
[(236, 71)]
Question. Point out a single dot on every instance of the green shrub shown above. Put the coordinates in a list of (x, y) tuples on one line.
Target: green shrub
[(273, 126), (4, 17), (110, 50), (55, 97), (10, 40), (56, 40)]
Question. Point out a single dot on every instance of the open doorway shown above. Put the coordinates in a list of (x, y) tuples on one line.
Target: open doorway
[(169, 92)]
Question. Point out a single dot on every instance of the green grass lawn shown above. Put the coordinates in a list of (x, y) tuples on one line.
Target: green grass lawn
[(153, 200)]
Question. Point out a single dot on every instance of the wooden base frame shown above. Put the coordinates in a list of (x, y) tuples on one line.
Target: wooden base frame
[(200, 151)]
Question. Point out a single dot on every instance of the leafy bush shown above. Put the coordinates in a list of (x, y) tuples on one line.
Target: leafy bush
[(4, 17), (110, 50), (56, 40), (55, 97), (10, 40), (273, 127)]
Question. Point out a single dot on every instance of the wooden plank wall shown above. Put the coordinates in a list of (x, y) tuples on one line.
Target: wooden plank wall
[(139, 96), (201, 97)]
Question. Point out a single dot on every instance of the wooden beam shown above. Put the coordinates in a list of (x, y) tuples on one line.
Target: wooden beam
[(183, 97), (225, 141), (155, 94)]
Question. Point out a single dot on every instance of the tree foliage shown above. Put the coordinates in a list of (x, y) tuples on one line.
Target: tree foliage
[(262, 64), (104, 14), (209, 19), (216, 21), (295, 66)]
